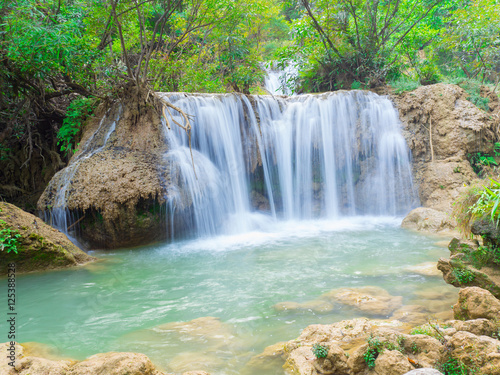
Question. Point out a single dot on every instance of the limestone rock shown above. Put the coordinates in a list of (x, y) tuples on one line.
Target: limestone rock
[(392, 362), (457, 127), (302, 361), (480, 327), (205, 328), (196, 373), (476, 351), (425, 269), (476, 303), (115, 364), (428, 220), (370, 300), (40, 246), (424, 350), (414, 314)]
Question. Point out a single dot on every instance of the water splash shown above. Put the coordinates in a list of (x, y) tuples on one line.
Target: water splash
[(306, 157), (276, 80)]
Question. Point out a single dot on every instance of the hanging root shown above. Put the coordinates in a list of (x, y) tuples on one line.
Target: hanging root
[(166, 106)]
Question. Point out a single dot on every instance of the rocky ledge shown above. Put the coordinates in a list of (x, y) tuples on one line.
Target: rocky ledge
[(361, 346), (38, 246)]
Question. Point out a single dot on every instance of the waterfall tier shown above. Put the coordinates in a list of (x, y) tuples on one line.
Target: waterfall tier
[(297, 158)]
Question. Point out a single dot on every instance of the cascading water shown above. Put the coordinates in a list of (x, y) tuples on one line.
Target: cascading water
[(276, 80), (307, 157), (59, 216)]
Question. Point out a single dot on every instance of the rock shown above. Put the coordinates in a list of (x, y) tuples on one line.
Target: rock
[(195, 361), (205, 328), (457, 246), (424, 371), (476, 303), (458, 273), (341, 332), (457, 128), (476, 352), (414, 314), (316, 306), (370, 300), (115, 364), (480, 327), (424, 350), (40, 247), (195, 373), (272, 355), (392, 362), (425, 269), (488, 230), (302, 361), (117, 181), (428, 220)]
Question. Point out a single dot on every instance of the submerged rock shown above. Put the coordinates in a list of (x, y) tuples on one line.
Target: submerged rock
[(370, 300), (39, 247)]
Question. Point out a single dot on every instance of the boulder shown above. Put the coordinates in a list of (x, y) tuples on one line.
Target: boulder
[(392, 362), (99, 364), (39, 247), (479, 352), (269, 358), (302, 361), (480, 327), (428, 220), (476, 303)]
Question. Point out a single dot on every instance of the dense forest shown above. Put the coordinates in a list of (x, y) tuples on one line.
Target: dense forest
[(61, 59)]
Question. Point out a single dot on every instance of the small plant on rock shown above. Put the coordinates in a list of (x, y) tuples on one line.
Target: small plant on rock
[(320, 351), (375, 347), (8, 238), (463, 275)]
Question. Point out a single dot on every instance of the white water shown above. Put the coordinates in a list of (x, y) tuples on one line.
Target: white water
[(59, 216), (276, 80), (314, 156)]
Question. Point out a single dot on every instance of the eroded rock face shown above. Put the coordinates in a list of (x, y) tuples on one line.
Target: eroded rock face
[(441, 112), (40, 246), (114, 187), (477, 351), (428, 220)]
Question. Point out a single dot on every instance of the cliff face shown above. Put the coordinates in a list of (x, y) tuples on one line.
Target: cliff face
[(441, 127)]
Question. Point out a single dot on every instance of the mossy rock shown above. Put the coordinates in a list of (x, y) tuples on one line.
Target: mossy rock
[(39, 247)]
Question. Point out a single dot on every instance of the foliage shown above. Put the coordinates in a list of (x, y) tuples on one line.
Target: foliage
[(488, 203), (78, 111), (463, 275), (453, 366), (375, 347), (320, 351), (479, 159), (8, 238), (403, 84)]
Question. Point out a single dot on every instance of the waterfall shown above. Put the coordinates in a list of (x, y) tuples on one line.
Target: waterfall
[(59, 216), (276, 80), (298, 158)]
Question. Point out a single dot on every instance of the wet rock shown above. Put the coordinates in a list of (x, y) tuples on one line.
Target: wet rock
[(457, 246), (316, 306), (476, 352), (40, 247), (428, 220), (205, 328), (195, 361), (370, 300), (414, 314), (392, 362), (196, 373), (269, 358), (425, 269), (476, 303)]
